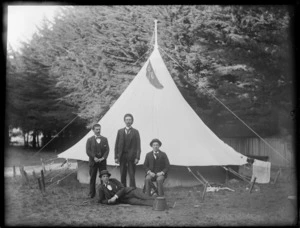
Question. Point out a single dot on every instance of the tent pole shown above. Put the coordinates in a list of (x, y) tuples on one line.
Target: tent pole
[(155, 32)]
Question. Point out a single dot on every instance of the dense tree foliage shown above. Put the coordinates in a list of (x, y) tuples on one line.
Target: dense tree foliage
[(82, 61)]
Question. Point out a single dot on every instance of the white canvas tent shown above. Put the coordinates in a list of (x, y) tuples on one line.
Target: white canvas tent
[(161, 112)]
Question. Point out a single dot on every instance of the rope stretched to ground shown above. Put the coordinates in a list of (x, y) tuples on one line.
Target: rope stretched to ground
[(51, 159), (55, 169), (54, 137), (196, 176), (57, 182), (237, 174), (230, 111)]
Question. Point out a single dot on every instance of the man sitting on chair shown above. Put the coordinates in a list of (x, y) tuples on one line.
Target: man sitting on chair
[(156, 166), (112, 191)]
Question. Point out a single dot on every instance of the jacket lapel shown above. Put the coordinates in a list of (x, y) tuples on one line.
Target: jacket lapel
[(130, 135)]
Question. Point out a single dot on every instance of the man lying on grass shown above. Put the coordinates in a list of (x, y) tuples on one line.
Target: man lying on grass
[(111, 191)]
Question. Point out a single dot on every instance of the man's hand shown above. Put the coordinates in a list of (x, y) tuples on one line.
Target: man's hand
[(136, 161), (96, 159), (100, 159), (117, 161), (112, 200), (152, 174), (160, 174)]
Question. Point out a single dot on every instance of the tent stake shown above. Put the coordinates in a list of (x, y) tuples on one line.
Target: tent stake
[(236, 174), (195, 175), (252, 184), (39, 183), (226, 177), (24, 175), (206, 182), (276, 177), (43, 180), (204, 191)]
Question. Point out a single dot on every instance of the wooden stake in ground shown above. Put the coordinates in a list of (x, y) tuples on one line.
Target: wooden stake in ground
[(236, 174), (43, 180), (226, 177), (277, 175), (39, 183), (205, 181), (252, 184), (204, 190), (23, 174)]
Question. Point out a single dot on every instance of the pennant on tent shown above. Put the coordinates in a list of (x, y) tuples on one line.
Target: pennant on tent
[(152, 77)]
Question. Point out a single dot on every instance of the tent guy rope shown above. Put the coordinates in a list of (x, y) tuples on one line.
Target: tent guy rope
[(230, 111), (54, 137)]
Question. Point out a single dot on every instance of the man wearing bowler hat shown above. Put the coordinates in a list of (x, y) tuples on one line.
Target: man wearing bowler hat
[(156, 166), (111, 191)]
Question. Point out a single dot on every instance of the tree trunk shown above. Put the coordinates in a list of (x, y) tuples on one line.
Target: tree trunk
[(37, 139), (34, 139), (26, 139)]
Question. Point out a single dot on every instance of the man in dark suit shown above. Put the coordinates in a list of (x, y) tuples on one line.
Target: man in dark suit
[(111, 191), (97, 149), (128, 150), (156, 166)]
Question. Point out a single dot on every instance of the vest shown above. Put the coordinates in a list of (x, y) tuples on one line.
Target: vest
[(98, 150), (126, 142), (156, 167)]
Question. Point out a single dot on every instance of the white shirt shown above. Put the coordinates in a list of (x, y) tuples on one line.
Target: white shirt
[(98, 139), (155, 154), (127, 130)]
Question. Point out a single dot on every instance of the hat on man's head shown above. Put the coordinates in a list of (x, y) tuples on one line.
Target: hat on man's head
[(104, 172), (155, 140)]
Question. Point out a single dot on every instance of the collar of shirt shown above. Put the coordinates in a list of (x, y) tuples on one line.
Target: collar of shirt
[(127, 128), (155, 153), (97, 136)]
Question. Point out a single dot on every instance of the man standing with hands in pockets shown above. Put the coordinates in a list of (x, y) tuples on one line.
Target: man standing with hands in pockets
[(97, 149), (128, 150)]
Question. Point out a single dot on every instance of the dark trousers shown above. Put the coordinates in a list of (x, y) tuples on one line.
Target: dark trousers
[(160, 181), (137, 197), (93, 174), (124, 164)]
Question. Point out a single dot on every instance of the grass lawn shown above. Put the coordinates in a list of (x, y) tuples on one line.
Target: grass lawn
[(66, 204), (16, 156)]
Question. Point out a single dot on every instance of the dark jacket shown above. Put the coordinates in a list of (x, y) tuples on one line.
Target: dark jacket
[(117, 189), (163, 162), (91, 148), (134, 148)]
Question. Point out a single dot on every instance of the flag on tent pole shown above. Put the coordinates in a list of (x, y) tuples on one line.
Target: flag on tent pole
[(152, 77)]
